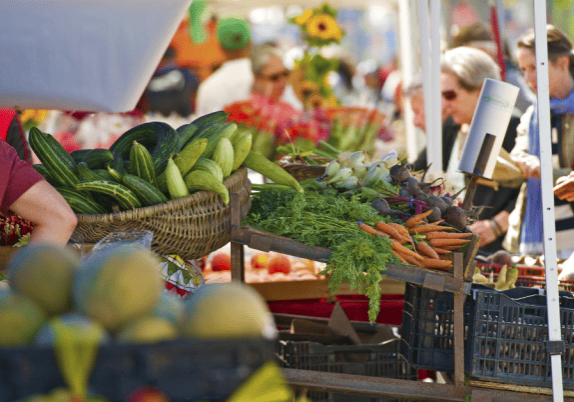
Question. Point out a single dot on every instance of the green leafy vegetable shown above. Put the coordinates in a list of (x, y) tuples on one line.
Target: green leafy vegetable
[(329, 221)]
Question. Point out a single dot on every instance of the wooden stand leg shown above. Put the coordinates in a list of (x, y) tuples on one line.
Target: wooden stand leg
[(237, 252), (458, 324)]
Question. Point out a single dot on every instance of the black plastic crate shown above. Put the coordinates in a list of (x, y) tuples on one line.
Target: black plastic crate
[(381, 360), (184, 370), (428, 324), (509, 335)]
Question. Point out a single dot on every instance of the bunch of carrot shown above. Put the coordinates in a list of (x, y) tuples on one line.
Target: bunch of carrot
[(434, 251)]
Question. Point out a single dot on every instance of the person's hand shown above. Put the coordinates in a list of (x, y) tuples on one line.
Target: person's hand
[(529, 165), (485, 230), (564, 189)]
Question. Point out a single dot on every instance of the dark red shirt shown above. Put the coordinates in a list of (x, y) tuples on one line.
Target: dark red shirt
[(16, 176)]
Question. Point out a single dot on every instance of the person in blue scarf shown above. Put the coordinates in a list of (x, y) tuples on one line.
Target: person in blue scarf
[(525, 233)]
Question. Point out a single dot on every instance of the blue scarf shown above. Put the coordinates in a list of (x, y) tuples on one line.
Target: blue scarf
[(531, 238)]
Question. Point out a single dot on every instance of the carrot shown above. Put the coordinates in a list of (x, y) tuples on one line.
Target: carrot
[(399, 228), (415, 220), (441, 250), (412, 260), (368, 229), (447, 242), (399, 256), (425, 249), (435, 263), (443, 235), (452, 248), (422, 229), (382, 233), (383, 227), (395, 245)]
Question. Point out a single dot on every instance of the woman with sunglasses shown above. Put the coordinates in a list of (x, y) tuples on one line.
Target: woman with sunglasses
[(463, 71), (525, 223)]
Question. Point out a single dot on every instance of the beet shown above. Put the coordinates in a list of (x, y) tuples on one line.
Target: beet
[(383, 208), (435, 215), (428, 187), (458, 217), (405, 193), (413, 185), (438, 202), (399, 173)]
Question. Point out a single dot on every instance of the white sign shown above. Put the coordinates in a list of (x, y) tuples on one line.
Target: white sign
[(491, 116)]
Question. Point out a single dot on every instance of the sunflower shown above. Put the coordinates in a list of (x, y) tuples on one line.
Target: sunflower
[(303, 18), (323, 26)]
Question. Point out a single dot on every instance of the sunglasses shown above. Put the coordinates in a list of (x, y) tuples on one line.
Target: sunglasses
[(277, 76), (449, 95)]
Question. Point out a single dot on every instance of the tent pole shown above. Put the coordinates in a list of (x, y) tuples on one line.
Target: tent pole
[(436, 128), (407, 72), (546, 182)]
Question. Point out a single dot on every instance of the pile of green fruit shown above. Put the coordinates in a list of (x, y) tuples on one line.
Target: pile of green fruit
[(116, 295), (151, 164)]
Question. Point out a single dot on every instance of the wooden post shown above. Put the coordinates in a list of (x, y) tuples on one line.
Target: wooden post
[(237, 252), (458, 323)]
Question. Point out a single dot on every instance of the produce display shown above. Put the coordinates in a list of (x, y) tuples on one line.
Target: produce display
[(151, 164), (14, 230), (115, 295), (263, 268), (369, 214)]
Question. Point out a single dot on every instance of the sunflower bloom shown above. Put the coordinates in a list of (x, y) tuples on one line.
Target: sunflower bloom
[(323, 26), (303, 18)]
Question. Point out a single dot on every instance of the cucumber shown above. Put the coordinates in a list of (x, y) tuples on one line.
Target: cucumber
[(162, 135), (79, 154), (103, 174), (116, 176), (210, 166), (215, 117), (189, 155), (42, 170), (213, 132), (60, 150), (85, 173), (141, 163), (175, 184), (60, 169), (81, 203), (185, 133), (125, 197), (147, 193), (97, 158)]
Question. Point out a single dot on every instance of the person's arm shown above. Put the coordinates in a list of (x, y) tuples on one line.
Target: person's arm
[(53, 218)]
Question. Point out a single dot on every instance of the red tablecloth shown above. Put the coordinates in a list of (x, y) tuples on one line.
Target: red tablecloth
[(356, 308)]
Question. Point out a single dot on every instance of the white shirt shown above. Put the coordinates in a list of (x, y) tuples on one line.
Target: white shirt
[(230, 83)]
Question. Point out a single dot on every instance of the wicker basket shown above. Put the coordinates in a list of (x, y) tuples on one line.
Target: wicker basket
[(303, 171), (191, 227)]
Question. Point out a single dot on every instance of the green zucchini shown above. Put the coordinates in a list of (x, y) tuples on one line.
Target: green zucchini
[(42, 170), (125, 197), (141, 163), (215, 117), (162, 135), (213, 132), (147, 193), (60, 169), (186, 132)]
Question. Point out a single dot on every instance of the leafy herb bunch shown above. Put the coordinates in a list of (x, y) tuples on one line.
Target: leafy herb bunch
[(329, 221)]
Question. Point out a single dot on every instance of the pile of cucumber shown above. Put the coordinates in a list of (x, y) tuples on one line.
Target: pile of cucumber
[(151, 164)]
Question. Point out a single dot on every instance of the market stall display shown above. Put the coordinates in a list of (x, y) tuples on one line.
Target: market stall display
[(129, 185), (44, 321)]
